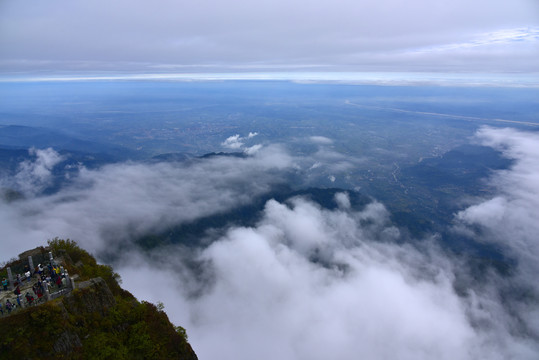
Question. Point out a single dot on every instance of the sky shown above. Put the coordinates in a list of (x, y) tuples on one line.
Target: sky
[(170, 36), (255, 292)]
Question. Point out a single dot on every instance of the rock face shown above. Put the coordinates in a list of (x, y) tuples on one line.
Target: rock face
[(92, 296), (67, 343), (97, 320)]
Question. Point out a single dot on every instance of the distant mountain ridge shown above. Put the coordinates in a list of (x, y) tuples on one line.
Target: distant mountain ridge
[(193, 233), (24, 137)]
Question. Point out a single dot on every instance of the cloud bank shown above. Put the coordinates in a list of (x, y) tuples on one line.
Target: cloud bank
[(105, 207), (511, 219), (305, 282), (308, 283)]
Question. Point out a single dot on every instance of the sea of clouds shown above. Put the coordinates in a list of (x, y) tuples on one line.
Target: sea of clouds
[(304, 282)]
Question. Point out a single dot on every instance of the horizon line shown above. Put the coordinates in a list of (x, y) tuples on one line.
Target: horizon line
[(351, 78)]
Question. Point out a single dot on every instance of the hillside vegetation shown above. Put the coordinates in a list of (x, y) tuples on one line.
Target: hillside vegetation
[(97, 320)]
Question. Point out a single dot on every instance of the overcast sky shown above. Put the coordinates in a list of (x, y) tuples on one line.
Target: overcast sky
[(277, 35)]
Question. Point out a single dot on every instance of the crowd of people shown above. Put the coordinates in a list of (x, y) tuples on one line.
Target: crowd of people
[(36, 282)]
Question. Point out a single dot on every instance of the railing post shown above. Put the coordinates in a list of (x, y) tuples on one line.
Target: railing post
[(46, 291), (31, 264), (10, 278)]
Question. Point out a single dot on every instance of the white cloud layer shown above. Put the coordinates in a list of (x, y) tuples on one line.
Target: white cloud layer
[(363, 297), (107, 206), (304, 282)]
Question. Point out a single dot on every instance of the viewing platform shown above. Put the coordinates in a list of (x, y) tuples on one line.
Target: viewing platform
[(24, 284)]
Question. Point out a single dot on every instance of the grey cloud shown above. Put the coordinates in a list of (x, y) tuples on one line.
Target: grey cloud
[(349, 35)]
